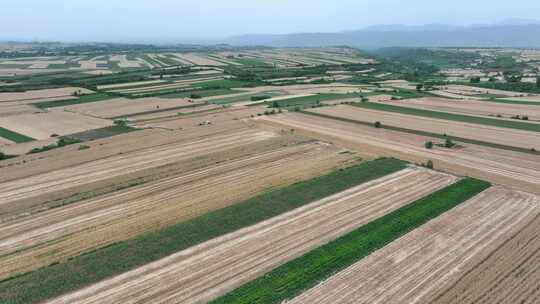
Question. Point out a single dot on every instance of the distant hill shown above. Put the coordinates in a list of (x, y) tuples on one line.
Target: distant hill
[(510, 33)]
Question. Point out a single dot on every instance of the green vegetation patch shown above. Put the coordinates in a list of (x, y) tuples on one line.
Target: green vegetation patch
[(312, 100), (117, 258), (290, 279), (62, 142), (524, 87), (102, 133), (14, 136), (246, 97), (450, 116), (250, 61), (68, 102), (223, 84), (202, 93)]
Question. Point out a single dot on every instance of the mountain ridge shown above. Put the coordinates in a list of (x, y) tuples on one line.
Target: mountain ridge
[(506, 34)]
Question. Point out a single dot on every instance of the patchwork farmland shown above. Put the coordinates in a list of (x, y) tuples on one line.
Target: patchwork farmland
[(264, 175)]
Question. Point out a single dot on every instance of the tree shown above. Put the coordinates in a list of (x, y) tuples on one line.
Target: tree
[(429, 145), (419, 87), (429, 164), (121, 122), (448, 143), (2, 156), (538, 81), (475, 80), (377, 124)]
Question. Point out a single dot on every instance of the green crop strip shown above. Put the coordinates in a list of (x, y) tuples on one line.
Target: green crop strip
[(14, 136), (83, 99), (292, 278), (80, 271), (310, 100)]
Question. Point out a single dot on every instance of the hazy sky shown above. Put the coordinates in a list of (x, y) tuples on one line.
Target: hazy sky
[(145, 20)]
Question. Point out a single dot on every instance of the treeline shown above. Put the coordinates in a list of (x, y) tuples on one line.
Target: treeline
[(525, 87)]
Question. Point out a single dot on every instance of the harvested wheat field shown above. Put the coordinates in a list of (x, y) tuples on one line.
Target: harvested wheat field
[(42, 95), (59, 233), (214, 119), (457, 245), (118, 107), (510, 168), (504, 136), (146, 118), (471, 107), (166, 132), (43, 125), (60, 181), (201, 273)]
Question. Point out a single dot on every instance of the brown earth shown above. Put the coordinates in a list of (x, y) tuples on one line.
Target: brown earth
[(445, 251), (203, 272)]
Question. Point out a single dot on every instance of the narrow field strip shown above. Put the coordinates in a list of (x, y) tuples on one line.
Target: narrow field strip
[(460, 257), (14, 136), (90, 268), (290, 279), (195, 105), (68, 102), (451, 116), (313, 99)]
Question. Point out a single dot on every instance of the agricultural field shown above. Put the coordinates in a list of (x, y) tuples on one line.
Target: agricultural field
[(472, 107), (220, 174), (501, 134), (294, 233), (511, 168), (438, 261)]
